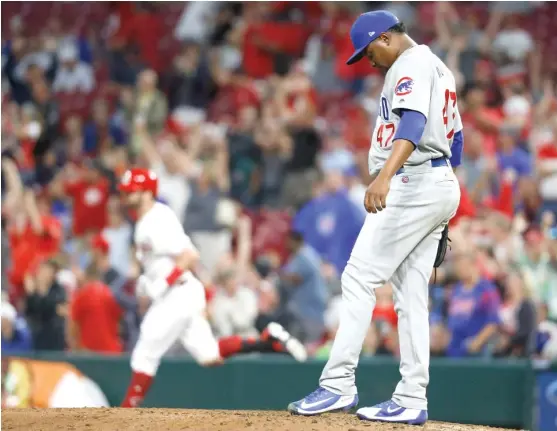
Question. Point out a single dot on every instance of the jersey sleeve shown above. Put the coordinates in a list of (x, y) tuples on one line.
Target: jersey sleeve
[(412, 88), (458, 121)]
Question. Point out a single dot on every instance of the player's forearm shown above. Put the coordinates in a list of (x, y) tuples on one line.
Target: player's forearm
[(402, 149), (407, 137), (186, 261)]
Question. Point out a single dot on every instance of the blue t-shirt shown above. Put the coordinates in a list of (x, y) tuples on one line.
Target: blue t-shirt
[(309, 298), (330, 224), (91, 136), (470, 310), (518, 159), (21, 341)]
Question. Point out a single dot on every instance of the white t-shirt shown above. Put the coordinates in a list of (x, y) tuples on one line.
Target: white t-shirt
[(80, 78), (159, 238), (419, 81), (173, 189), (235, 314), (515, 43)]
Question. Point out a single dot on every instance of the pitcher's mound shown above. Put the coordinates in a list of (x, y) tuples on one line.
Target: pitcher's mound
[(115, 419)]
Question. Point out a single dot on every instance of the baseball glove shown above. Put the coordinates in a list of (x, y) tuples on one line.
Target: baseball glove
[(442, 247)]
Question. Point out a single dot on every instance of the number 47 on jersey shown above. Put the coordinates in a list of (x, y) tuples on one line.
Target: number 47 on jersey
[(386, 131)]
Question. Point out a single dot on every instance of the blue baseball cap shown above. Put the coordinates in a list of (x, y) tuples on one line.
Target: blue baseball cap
[(368, 27)]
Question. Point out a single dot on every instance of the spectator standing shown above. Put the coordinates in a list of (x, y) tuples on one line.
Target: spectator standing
[(511, 156), (26, 64), (109, 276), (478, 172), (518, 319), (512, 47), (196, 20), (234, 307), (101, 132), (94, 317), (306, 291), (101, 263), (330, 222), (276, 150), (46, 307), (173, 167), (73, 75), (89, 192), (118, 235), (149, 108), (534, 263), (207, 218), (473, 310), (245, 158), (73, 142), (190, 83), (16, 337), (34, 235), (50, 121)]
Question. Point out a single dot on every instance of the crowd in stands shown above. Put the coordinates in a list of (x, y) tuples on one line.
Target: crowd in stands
[(259, 134)]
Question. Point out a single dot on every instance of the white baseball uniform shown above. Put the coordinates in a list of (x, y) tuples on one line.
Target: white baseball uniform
[(177, 312), (400, 243)]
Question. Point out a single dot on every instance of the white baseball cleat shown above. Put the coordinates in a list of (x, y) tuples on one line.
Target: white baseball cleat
[(389, 411), (323, 401), (292, 345)]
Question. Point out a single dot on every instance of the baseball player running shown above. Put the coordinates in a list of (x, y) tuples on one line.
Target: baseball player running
[(413, 195), (177, 310)]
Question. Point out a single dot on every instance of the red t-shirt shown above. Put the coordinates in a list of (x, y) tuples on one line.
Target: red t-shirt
[(340, 37), (144, 29), (289, 38), (490, 116), (27, 160), (386, 313), (97, 315), (89, 205), (28, 249), (466, 207)]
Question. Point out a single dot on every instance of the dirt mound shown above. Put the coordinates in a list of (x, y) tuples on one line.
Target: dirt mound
[(198, 420)]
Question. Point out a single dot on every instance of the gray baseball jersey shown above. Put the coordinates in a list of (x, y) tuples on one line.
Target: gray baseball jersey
[(419, 81)]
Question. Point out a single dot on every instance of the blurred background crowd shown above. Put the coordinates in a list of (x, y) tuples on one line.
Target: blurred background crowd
[(259, 134)]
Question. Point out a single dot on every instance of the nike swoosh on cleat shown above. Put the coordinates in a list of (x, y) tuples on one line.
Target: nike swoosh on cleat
[(305, 406)]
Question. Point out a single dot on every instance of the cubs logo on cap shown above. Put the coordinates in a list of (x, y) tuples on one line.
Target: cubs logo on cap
[(404, 86), (368, 27)]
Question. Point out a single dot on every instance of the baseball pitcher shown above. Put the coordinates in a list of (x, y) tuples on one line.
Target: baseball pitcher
[(410, 200)]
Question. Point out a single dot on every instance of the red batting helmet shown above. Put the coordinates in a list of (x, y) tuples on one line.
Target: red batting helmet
[(139, 180)]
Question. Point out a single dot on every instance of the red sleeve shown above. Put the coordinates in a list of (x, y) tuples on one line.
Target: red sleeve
[(71, 189), (466, 208), (125, 11), (52, 227), (505, 201), (13, 237)]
